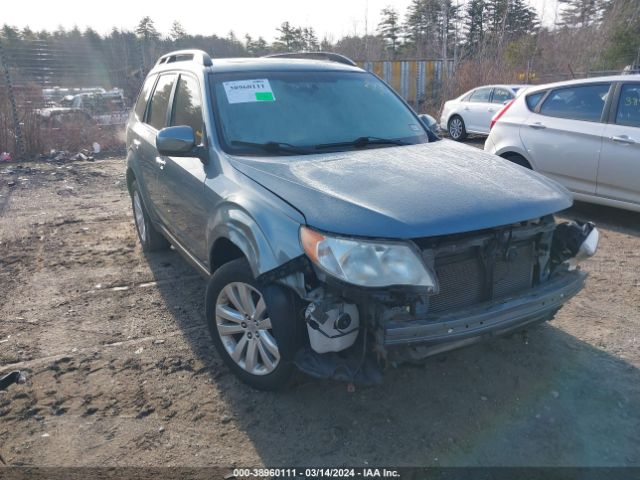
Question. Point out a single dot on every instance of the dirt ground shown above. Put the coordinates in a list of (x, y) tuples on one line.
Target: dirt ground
[(121, 370)]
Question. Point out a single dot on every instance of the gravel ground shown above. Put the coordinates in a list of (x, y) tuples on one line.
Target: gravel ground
[(122, 372)]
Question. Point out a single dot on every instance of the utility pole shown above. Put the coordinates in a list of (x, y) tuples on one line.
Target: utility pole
[(17, 128), (366, 29)]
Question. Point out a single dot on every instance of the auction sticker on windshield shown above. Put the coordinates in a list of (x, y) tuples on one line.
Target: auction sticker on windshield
[(245, 91)]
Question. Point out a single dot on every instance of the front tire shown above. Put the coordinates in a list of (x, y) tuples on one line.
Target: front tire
[(456, 128), (150, 238), (241, 328)]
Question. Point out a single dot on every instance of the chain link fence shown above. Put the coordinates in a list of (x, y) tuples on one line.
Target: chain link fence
[(56, 97), (67, 93)]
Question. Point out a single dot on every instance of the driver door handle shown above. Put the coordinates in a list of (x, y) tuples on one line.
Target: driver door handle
[(161, 162), (624, 139), (537, 126)]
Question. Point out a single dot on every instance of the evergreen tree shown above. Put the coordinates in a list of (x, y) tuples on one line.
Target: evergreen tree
[(421, 25), (430, 26), (146, 30), (621, 26), (475, 25), (291, 39), (309, 40), (510, 19), (177, 31), (9, 33), (579, 13), (256, 48), (389, 28)]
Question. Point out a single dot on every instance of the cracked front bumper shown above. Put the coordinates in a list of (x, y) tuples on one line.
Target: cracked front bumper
[(434, 334)]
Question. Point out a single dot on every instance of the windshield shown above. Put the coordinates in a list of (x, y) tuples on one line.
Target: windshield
[(275, 113)]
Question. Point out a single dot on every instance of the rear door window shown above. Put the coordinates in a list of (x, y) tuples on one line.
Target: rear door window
[(143, 98), (534, 99), (501, 95), (187, 108), (584, 102), (481, 95), (159, 106), (629, 105)]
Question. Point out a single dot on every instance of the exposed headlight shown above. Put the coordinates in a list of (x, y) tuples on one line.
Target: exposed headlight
[(367, 263)]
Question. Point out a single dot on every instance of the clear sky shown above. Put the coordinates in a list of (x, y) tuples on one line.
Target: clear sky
[(333, 18)]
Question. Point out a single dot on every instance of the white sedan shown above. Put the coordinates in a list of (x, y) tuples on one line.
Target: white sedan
[(585, 134), (472, 111)]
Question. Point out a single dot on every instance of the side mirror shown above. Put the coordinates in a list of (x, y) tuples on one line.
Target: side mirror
[(177, 141), (430, 123)]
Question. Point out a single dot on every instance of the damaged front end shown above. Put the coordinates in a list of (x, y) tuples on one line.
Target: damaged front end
[(371, 304)]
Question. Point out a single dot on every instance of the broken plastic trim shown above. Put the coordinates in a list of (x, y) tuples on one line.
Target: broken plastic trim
[(295, 265), (573, 240), (10, 379)]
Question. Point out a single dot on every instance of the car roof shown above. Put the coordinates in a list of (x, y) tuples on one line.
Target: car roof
[(499, 85), (263, 64), (582, 81)]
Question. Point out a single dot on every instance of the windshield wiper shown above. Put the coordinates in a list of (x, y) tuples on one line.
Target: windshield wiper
[(273, 147), (362, 142)]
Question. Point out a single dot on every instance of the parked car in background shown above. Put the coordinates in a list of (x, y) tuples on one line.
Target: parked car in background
[(472, 111), (57, 117), (583, 133), (105, 107), (340, 241)]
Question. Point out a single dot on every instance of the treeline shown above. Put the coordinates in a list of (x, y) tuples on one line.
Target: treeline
[(487, 39)]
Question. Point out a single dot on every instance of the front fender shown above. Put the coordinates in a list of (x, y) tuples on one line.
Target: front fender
[(261, 228)]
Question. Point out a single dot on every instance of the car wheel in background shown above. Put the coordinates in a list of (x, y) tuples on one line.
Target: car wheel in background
[(150, 239), (456, 128)]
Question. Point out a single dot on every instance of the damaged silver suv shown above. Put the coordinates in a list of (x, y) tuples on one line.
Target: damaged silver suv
[(338, 234)]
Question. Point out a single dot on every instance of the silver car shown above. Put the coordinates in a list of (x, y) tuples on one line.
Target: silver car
[(584, 134), (472, 111)]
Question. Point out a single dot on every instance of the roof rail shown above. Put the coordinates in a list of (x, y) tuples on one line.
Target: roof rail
[(192, 55), (329, 56)]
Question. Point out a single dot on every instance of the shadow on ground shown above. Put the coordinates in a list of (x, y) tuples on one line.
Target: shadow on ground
[(544, 398), (623, 221)]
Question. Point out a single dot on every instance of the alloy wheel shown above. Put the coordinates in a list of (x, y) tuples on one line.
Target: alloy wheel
[(139, 214), (245, 328), (455, 128)]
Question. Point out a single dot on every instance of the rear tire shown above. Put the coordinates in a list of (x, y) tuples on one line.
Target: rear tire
[(256, 345), (150, 238), (456, 128)]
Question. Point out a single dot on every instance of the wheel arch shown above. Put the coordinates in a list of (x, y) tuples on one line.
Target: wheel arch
[(266, 241), (514, 153), (131, 177)]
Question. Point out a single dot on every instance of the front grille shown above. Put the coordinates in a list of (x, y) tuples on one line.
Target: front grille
[(515, 275), (461, 282), (466, 279)]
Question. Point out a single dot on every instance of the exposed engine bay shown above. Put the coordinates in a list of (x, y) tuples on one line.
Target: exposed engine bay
[(489, 282)]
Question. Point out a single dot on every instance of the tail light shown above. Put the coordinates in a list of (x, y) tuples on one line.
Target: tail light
[(497, 116)]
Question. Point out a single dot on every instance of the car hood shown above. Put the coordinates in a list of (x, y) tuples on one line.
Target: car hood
[(407, 191)]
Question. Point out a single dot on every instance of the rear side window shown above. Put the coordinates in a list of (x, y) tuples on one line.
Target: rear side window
[(481, 95), (187, 108), (157, 116), (143, 98), (501, 95), (584, 102), (629, 105), (534, 99)]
